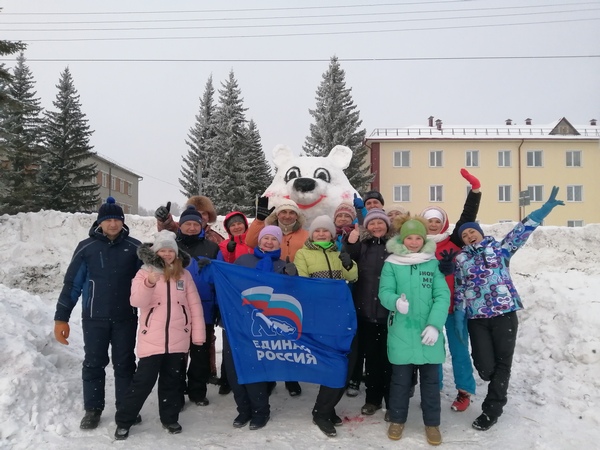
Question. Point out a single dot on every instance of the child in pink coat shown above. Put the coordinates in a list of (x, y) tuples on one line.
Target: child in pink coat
[(170, 316)]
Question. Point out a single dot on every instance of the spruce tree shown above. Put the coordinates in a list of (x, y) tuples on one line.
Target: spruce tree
[(67, 173), (22, 142), (200, 141), (258, 171), (228, 172), (337, 122)]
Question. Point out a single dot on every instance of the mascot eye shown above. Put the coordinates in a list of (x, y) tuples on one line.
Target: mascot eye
[(322, 174), (293, 172)]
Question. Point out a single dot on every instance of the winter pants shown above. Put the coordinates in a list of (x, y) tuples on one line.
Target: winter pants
[(166, 368), (402, 381), (198, 372), (462, 367), (329, 397), (97, 336), (372, 342), (493, 346), (251, 399)]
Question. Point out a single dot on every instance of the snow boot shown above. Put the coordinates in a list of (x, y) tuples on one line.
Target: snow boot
[(484, 422), (462, 402), (91, 419), (434, 437)]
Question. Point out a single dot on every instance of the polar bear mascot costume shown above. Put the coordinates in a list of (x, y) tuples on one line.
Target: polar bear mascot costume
[(316, 183)]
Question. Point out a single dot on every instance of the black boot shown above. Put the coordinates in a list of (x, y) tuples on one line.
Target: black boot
[(325, 426), (484, 422), (121, 433), (173, 428), (91, 419)]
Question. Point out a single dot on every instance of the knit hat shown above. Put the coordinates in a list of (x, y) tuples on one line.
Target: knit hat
[(473, 225), (376, 213), (434, 214), (192, 214), (287, 204), (413, 226), (373, 194), (322, 222), (164, 239), (235, 218), (345, 208), (273, 230), (110, 210)]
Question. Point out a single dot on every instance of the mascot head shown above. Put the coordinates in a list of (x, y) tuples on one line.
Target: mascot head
[(316, 183)]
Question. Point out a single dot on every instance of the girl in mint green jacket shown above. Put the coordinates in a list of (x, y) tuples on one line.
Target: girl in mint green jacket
[(417, 295)]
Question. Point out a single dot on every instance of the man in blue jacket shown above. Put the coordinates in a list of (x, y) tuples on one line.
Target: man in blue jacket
[(101, 271)]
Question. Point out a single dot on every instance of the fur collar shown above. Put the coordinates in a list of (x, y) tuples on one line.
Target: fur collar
[(150, 258)]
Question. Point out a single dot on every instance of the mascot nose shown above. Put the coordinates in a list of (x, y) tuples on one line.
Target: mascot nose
[(304, 184)]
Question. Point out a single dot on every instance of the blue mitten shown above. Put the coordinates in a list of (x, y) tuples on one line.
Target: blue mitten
[(540, 214), (358, 202), (460, 326)]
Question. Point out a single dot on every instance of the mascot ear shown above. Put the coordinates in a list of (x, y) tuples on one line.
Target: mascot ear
[(340, 156), (281, 155)]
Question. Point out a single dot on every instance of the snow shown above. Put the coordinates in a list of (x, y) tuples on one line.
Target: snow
[(554, 396)]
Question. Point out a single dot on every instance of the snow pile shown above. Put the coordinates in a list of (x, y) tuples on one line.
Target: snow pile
[(554, 395)]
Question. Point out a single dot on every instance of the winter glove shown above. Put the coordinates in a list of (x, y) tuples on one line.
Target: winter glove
[(61, 331), (430, 335), (262, 208), (290, 268), (447, 265), (402, 304), (358, 202), (162, 212), (540, 214), (460, 326), (202, 263), (347, 262), (475, 184), (231, 245)]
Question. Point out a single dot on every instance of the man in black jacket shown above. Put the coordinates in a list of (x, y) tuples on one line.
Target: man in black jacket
[(101, 271)]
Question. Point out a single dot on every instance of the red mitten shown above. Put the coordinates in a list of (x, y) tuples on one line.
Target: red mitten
[(475, 184)]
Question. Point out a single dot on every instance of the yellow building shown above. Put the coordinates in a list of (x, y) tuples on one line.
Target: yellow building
[(420, 166)]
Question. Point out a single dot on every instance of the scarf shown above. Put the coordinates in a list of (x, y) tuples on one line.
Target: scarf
[(323, 245), (410, 258), (265, 263), (437, 238)]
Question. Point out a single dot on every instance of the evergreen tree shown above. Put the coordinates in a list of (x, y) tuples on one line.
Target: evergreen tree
[(337, 122), (228, 172), (22, 142), (200, 141), (258, 171), (67, 172)]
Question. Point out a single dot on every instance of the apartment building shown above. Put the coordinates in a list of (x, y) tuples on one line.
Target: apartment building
[(117, 181), (517, 164)]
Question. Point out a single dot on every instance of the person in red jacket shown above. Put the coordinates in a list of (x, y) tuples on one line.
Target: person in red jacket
[(447, 247), (236, 225), (170, 317)]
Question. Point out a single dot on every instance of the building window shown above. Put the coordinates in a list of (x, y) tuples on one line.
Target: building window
[(574, 193), (504, 158), (104, 179), (129, 188), (574, 158), (574, 223), (536, 193), (113, 183), (402, 158), (402, 193), (122, 186), (534, 158), (504, 193), (435, 158), (472, 158), (436, 193)]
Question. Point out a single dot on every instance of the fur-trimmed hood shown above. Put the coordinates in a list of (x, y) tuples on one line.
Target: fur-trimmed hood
[(150, 258), (300, 223)]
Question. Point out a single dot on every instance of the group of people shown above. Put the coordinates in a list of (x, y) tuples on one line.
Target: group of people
[(410, 278)]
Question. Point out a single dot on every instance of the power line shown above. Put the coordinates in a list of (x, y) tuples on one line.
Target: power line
[(320, 16), (319, 60), (324, 33), (362, 22), (297, 8)]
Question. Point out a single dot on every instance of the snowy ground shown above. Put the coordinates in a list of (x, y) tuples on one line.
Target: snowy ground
[(554, 397)]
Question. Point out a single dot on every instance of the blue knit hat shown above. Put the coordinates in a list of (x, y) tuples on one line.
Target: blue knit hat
[(110, 210), (473, 225), (192, 214)]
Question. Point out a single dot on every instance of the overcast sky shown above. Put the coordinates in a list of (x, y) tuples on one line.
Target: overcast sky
[(446, 59)]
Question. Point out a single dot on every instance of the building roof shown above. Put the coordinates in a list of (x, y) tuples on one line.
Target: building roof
[(112, 162), (559, 129)]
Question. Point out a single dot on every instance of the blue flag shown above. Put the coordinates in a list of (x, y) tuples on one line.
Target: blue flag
[(285, 328)]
